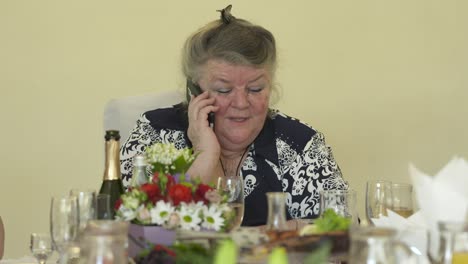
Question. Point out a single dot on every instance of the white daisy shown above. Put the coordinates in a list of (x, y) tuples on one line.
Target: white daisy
[(161, 212), (189, 217), (199, 206), (212, 219)]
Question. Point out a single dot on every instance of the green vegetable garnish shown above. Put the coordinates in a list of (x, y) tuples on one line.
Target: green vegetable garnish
[(278, 256), (330, 221), (226, 253)]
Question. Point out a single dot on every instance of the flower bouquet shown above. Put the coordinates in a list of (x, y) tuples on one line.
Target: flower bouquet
[(171, 199)]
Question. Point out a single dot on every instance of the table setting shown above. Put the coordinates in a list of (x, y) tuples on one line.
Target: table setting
[(438, 231), (166, 216)]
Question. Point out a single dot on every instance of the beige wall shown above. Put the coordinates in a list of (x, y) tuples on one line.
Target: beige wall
[(386, 81)]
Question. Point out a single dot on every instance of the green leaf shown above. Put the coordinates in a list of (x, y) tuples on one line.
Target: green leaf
[(330, 221)]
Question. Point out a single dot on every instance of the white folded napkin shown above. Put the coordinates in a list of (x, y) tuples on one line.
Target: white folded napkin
[(410, 231), (443, 197)]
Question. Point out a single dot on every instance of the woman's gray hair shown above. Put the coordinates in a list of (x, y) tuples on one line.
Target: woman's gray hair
[(238, 42)]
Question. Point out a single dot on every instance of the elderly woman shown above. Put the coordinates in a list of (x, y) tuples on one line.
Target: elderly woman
[(233, 62)]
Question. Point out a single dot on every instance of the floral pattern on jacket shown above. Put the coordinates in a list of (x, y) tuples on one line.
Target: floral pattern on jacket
[(287, 156)]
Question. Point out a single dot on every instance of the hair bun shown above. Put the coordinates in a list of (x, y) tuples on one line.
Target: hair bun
[(226, 16)]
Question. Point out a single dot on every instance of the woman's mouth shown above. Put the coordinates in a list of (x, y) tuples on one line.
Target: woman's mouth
[(238, 119)]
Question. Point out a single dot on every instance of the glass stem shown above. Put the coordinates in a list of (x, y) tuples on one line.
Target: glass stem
[(61, 259)]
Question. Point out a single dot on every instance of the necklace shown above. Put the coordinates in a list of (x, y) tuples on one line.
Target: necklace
[(238, 164)]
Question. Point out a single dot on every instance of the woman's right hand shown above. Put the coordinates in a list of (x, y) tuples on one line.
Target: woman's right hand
[(204, 140), (199, 132)]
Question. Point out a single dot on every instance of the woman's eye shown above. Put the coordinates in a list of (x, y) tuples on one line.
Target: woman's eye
[(255, 89), (223, 90)]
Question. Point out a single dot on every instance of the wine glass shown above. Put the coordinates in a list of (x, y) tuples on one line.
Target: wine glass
[(64, 222), (379, 198), (233, 188), (402, 194), (86, 205), (41, 247)]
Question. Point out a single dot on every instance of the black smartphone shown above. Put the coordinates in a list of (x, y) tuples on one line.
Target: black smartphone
[(195, 90)]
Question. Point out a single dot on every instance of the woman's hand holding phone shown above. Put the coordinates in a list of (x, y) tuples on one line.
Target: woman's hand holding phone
[(202, 136), (199, 132)]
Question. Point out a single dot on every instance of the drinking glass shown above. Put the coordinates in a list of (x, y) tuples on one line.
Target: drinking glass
[(233, 187), (402, 194), (105, 241), (343, 202), (377, 245), (41, 247), (378, 199), (103, 208), (276, 220), (64, 222), (86, 205), (451, 245), (460, 251)]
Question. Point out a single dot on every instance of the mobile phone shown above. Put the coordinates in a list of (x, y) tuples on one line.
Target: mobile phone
[(195, 90)]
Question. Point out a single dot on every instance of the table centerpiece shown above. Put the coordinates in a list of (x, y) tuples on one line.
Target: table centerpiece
[(170, 200)]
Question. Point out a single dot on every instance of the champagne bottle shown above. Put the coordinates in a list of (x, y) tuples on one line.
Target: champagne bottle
[(112, 180)]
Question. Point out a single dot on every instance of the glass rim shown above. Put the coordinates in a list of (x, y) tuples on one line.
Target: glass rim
[(348, 191), (402, 185), (453, 226), (373, 231), (379, 182), (40, 234)]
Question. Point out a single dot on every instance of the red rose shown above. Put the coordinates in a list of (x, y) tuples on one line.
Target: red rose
[(200, 193), (180, 193), (152, 190)]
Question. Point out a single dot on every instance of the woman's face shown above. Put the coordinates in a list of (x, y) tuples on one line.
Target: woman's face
[(242, 94)]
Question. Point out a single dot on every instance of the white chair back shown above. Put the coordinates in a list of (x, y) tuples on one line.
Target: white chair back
[(122, 113)]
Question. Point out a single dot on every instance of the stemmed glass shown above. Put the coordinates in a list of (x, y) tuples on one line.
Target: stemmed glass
[(379, 198), (233, 187), (41, 247), (86, 205), (64, 222), (402, 194)]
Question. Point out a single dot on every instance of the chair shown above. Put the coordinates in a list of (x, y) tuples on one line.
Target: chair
[(122, 113)]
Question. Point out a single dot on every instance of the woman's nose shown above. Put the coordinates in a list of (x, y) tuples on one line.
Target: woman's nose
[(240, 99)]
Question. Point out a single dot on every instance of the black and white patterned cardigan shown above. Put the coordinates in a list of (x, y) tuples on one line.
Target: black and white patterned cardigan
[(287, 156)]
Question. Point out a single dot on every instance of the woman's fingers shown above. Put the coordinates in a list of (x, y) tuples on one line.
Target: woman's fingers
[(200, 106)]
